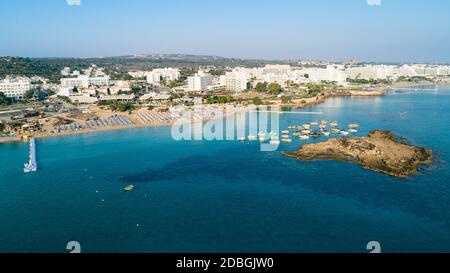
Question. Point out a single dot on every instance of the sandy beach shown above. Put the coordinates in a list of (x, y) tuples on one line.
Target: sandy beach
[(298, 103)]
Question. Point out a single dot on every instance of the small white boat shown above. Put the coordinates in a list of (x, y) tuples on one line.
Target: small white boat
[(32, 165), (251, 137), (314, 123), (285, 132), (353, 131), (306, 132), (334, 124), (327, 134), (285, 136), (262, 139), (274, 142), (242, 139), (353, 126), (286, 140), (344, 133), (303, 137), (306, 126), (129, 188)]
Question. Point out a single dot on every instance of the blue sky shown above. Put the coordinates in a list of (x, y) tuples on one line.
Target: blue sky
[(396, 30)]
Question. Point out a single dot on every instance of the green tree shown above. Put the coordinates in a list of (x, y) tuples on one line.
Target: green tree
[(286, 99), (2, 126), (4, 100), (261, 87), (28, 95), (314, 88), (257, 101), (115, 105), (275, 88)]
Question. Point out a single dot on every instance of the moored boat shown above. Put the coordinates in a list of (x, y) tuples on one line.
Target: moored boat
[(32, 165), (274, 140)]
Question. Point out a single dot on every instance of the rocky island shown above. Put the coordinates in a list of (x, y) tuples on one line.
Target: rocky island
[(380, 151)]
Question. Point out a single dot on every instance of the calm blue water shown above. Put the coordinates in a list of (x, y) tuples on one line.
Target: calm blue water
[(229, 196)]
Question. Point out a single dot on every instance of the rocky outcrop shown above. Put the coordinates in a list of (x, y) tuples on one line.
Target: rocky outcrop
[(380, 151)]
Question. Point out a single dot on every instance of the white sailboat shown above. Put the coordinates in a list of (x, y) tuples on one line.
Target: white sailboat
[(32, 165)]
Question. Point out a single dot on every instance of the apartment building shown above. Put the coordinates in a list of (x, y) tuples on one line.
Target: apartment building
[(15, 87)]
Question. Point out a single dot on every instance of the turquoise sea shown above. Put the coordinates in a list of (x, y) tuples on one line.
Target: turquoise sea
[(227, 196)]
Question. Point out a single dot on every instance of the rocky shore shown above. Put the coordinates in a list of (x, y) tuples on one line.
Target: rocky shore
[(380, 151)]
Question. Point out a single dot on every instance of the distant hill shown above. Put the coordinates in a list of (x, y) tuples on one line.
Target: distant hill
[(27, 67), (51, 67)]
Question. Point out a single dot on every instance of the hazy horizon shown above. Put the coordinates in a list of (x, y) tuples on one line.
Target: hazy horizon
[(365, 30), (203, 55)]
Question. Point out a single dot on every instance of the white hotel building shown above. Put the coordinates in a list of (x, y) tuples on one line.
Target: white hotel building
[(15, 88), (83, 81), (200, 81), (157, 75), (235, 81)]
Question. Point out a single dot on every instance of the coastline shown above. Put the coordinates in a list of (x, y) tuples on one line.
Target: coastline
[(5, 140), (298, 103)]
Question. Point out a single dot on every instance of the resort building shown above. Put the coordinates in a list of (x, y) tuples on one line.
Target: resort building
[(235, 81), (65, 71), (332, 73), (121, 98), (82, 99), (15, 88), (138, 74), (276, 69), (216, 87), (200, 81), (156, 98), (99, 81), (83, 81), (157, 75)]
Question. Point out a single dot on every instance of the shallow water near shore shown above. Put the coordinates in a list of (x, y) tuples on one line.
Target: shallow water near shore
[(227, 196)]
